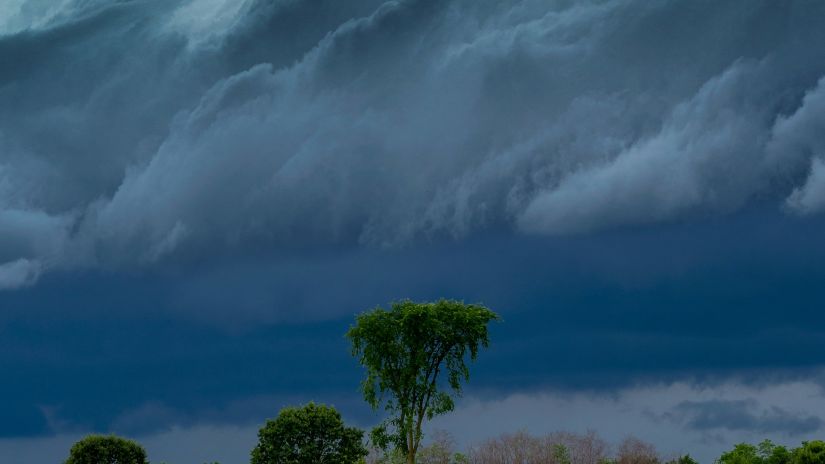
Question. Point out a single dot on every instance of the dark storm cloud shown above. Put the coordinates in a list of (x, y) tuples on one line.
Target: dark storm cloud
[(205, 187), (744, 415), (220, 343), (182, 128)]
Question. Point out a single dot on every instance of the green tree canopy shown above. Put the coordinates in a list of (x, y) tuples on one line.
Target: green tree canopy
[(771, 453), (404, 350), (313, 434), (765, 452), (742, 453), (683, 459), (811, 452), (101, 449)]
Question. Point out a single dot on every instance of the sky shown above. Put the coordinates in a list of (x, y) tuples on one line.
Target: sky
[(198, 196)]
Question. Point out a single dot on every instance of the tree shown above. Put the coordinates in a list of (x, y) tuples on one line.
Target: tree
[(404, 350), (635, 451), (101, 449), (772, 453), (765, 452), (811, 452), (561, 455), (554, 448), (313, 434), (683, 459), (742, 453), (441, 450)]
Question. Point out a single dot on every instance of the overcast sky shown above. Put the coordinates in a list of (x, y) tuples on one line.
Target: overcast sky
[(196, 197)]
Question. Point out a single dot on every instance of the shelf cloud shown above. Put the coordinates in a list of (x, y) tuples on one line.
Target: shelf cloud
[(180, 127)]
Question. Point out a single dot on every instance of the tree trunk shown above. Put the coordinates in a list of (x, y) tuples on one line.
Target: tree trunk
[(410, 446)]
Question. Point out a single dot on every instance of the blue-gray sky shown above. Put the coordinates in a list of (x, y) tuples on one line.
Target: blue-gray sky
[(196, 196)]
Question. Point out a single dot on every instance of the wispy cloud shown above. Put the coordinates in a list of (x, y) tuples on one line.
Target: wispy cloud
[(19, 273), (745, 415)]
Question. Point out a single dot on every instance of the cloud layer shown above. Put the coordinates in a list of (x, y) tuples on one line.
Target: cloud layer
[(183, 129), (678, 417)]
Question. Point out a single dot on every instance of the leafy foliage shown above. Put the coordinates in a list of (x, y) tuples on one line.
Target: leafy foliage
[(404, 351), (765, 452), (811, 452), (561, 454), (313, 434), (102, 449), (683, 459), (742, 453)]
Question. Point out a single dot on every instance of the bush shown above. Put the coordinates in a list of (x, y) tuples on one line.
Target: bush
[(100, 449), (308, 435)]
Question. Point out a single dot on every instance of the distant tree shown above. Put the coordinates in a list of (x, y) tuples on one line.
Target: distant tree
[(742, 453), (313, 434), (404, 350), (440, 450), (683, 459), (771, 453), (587, 448), (393, 456), (765, 452), (561, 454), (103, 449), (811, 452), (635, 451), (554, 448)]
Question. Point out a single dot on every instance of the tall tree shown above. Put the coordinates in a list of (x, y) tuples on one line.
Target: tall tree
[(405, 351)]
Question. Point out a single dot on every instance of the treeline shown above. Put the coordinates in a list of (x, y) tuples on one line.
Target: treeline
[(588, 448), (316, 434)]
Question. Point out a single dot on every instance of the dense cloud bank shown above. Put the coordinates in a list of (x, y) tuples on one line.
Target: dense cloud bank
[(680, 418), (137, 132), (193, 189), (137, 354)]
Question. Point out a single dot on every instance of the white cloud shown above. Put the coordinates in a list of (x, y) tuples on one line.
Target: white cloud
[(202, 21), (704, 158), (19, 273), (22, 15), (810, 198)]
